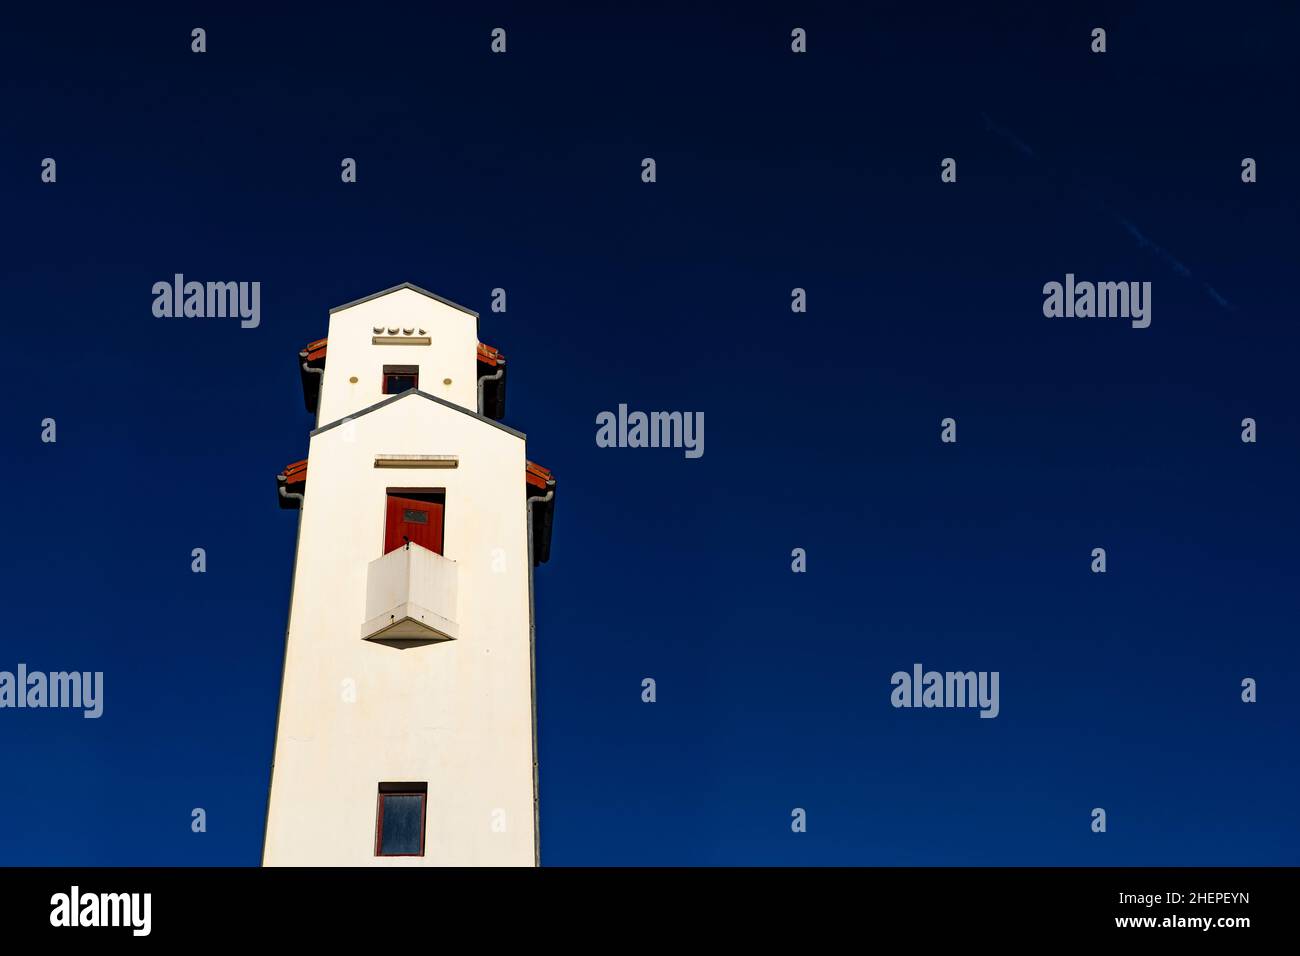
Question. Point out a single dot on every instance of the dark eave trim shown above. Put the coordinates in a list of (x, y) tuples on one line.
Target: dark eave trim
[(399, 288), (433, 398)]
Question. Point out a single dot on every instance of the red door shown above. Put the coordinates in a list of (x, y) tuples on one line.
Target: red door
[(420, 521)]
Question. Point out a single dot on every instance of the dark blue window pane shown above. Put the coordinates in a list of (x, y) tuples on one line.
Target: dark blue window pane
[(403, 823)]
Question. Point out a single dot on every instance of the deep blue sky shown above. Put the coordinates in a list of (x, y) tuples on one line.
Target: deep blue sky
[(822, 430)]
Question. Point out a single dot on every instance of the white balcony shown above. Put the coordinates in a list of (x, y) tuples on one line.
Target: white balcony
[(410, 598)]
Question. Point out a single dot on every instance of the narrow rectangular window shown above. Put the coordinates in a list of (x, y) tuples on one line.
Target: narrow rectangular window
[(399, 825), (400, 378)]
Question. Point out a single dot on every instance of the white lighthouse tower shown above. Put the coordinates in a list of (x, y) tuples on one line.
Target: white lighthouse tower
[(407, 725)]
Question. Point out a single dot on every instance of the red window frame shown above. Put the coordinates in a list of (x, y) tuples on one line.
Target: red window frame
[(400, 790)]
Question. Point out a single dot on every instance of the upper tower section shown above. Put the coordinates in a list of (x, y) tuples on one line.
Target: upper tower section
[(386, 343)]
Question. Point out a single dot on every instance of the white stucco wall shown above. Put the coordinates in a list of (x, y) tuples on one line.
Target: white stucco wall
[(455, 714), (452, 354)]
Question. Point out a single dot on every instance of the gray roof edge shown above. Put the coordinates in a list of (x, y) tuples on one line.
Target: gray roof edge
[(398, 288), (433, 398)]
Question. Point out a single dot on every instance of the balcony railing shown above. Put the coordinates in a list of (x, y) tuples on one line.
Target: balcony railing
[(410, 598)]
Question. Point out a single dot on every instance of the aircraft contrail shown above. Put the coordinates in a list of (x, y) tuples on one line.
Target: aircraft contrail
[(1143, 242)]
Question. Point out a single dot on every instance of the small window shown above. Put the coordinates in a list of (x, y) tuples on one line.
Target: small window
[(399, 828), (400, 378)]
